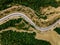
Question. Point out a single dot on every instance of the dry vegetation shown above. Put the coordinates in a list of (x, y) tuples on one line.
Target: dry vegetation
[(52, 13)]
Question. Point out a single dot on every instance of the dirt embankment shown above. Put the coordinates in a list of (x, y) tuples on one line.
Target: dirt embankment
[(53, 14)]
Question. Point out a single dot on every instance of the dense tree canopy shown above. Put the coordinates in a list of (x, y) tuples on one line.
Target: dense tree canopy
[(57, 29), (34, 4), (13, 22), (21, 38), (10, 23)]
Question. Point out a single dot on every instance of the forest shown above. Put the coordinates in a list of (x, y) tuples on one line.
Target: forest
[(20, 38)]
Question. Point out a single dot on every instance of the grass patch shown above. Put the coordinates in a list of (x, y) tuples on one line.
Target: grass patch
[(20, 38)]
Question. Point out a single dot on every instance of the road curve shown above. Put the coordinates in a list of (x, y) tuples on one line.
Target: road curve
[(29, 21)]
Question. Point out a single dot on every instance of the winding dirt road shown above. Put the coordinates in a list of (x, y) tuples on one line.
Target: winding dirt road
[(29, 21)]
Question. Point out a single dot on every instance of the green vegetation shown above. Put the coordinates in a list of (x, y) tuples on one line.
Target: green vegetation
[(34, 4), (44, 16), (23, 25), (20, 38), (57, 29), (12, 23)]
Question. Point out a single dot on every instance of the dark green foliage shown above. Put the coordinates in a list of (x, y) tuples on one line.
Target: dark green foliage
[(10, 23), (49, 2), (34, 4), (21, 38), (23, 25), (57, 29), (41, 15), (13, 22)]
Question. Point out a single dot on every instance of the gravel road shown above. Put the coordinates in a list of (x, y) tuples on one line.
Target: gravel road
[(29, 21)]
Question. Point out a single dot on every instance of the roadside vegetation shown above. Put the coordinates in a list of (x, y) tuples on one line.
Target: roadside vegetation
[(10, 23), (13, 22), (57, 29), (20, 38), (34, 4)]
